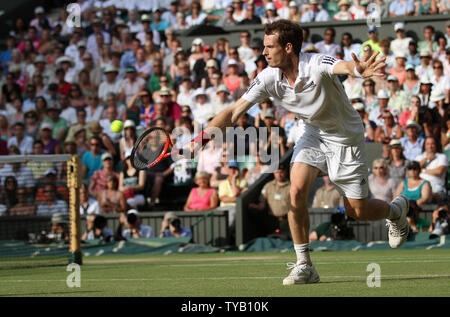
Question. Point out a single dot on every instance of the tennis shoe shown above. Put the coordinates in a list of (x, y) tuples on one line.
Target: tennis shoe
[(399, 228), (301, 274)]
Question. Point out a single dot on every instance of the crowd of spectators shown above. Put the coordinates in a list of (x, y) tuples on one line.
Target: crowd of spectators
[(62, 86)]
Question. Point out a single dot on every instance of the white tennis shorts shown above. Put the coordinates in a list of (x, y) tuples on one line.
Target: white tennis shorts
[(345, 165)]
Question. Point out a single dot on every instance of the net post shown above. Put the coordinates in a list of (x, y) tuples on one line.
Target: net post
[(74, 183)]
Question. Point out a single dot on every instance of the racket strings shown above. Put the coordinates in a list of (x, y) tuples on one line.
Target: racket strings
[(150, 148)]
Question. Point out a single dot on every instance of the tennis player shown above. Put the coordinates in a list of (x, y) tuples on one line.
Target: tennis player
[(333, 141)]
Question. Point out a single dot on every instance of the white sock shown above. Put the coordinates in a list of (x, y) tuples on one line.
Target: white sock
[(302, 251), (394, 212)]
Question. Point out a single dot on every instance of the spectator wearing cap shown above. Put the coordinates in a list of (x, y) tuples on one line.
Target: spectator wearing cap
[(369, 125), (428, 44), (232, 80), (212, 71), (128, 140), (399, 70), (51, 145), (439, 111), (222, 99), (200, 68), (147, 34), (389, 130), (51, 205), (98, 180), (373, 41), (412, 143), (58, 124), (50, 177), (171, 227), (110, 85), (228, 19), (327, 46), (131, 85), (398, 99), (92, 160), (411, 84), (271, 14), (135, 228), (375, 114), (249, 15), (434, 167), (40, 66), (401, 8), (397, 163), (231, 188), (401, 43), (315, 13)]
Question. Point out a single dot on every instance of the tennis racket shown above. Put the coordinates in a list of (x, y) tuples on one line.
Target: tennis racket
[(153, 146)]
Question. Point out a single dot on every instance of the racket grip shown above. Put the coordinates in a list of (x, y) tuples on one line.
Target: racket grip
[(202, 138)]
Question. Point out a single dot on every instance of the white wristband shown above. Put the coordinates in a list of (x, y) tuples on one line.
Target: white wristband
[(356, 73)]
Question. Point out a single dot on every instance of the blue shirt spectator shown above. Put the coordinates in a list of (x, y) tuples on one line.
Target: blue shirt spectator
[(92, 160), (399, 7)]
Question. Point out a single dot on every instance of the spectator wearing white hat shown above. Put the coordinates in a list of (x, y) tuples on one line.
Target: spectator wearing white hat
[(375, 114), (135, 228), (110, 85), (425, 91), (315, 13), (399, 69), (438, 98), (271, 14), (222, 99), (412, 143), (40, 21), (128, 140), (202, 107), (343, 14), (401, 43), (411, 84), (398, 100), (171, 227), (295, 14), (147, 32)]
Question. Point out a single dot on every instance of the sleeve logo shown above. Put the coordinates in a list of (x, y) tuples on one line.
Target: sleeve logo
[(256, 81)]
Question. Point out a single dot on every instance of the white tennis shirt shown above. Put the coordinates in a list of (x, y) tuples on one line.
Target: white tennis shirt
[(317, 97)]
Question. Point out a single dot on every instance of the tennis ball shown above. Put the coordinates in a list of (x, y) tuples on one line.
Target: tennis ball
[(117, 126)]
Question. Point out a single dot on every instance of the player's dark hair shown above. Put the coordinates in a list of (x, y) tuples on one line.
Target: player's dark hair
[(288, 32)]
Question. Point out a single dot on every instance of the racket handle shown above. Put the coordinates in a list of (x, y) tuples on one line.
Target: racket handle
[(202, 138)]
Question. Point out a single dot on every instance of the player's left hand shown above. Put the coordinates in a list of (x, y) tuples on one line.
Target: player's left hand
[(371, 67)]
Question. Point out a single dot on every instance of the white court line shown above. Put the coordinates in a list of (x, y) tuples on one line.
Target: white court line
[(227, 278), (315, 263)]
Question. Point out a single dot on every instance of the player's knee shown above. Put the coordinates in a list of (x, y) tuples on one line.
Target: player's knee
[(299, 198)]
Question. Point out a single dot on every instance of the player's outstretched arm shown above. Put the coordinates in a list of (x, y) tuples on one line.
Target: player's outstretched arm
[(358, 68), (227, 118)]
